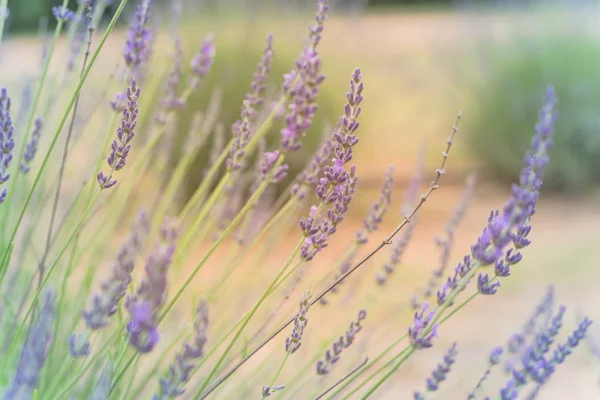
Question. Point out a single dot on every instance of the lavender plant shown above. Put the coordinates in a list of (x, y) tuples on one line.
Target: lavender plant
[(80, 319)]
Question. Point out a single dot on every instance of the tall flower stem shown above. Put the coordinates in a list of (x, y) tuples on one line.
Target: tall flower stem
[(274, 379), (62, 123)]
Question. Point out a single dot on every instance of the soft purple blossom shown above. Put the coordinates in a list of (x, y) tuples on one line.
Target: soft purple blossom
[(202, 61), (122, 144), (171, 100), (7, 141), (34, 351), (63, 14), (139, 36), (105, 303), (309, 177), (337, 186), (180, 371), (332, 356), (294, 341), (31, 147), (266, 391), (441, 372), (420, 336), (302, 86), (258, 85), (144, 306), (241, 137)]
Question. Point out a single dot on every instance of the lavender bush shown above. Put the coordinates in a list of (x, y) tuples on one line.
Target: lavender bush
[(98, 277)]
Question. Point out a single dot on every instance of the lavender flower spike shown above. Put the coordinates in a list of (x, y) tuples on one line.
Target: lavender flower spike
[(180, 370), (337, 186), (293, 342), (34, 352), (419, 337), (7, 142), (104, 304), (137, 44), (125, 133), (324, 366), (378, 209), (440, 373), (32, 147), (202, 61), (146, 303)]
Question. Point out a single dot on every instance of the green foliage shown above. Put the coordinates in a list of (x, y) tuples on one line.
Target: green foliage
[(508, 99)]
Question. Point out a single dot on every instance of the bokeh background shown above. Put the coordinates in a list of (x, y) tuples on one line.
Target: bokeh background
[(422, 62)]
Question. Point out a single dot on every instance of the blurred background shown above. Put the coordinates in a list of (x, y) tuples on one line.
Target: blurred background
[(422, 62)]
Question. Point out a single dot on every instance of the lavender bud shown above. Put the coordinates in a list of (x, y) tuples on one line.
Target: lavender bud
[(122, 144), (63, 14), (441, 372), (202, 61), (293, 342), (32, 146), (420, 334), (146, 303), (7, 141), (34, 351), (137, 44), (345, 341)]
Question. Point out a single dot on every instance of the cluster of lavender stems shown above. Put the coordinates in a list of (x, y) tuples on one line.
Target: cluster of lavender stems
[(531, 356)]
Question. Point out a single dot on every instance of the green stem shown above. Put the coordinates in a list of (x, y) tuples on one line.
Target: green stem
[(249, 316), (287, 355), (3, 17), (400, 361)]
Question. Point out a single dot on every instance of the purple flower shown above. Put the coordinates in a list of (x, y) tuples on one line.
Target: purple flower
[(309, 177), (7, 141), (378, 209), (179, 372), (484, 286), (420, 336), (170, 100), (122, 144), (241, 137), (258, 85), (202, 61), (34, 352), (332, 356), (146, 303), (63, 14), (302, 85), (269, 390), (32, 146), (441, 372), (294, 341), (105, 303), (137, 44), (337, 186)]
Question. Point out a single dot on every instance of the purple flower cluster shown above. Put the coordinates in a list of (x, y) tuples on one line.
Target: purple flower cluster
[(202, 61), (512, 226), (420, 336), (337, 186), (63, 14), (258, 86), (31, 147), (145, 304), (120, 147), (537, 362), (7, 141), (440, 373), (493, 360), (302, 86), (331, 357), (139, 36), (34, 352), (241, 137), (293, 342), (309, 177), (179, 372), (171, 100), (269, 390), (378, 209), (104, 304)]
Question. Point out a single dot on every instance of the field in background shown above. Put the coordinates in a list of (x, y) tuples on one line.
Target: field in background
[(418, 71)]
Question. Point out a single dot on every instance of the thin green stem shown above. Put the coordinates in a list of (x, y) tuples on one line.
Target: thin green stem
[(400, 361), (274, 379), (248, 318)]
